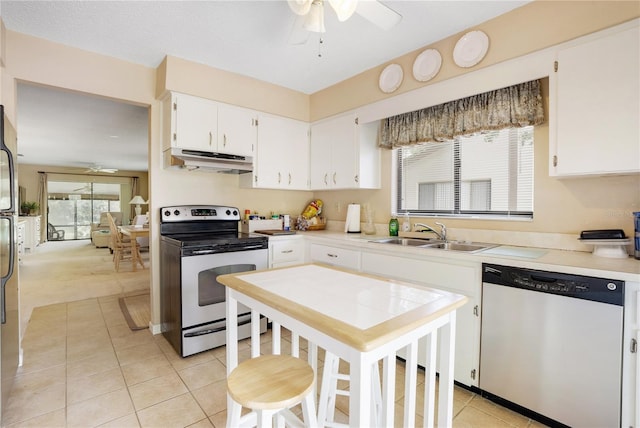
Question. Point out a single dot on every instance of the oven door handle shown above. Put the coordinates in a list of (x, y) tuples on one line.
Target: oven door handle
[(214, 330)]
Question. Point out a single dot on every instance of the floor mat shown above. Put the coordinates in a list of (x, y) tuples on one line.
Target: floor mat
[(135, 309)]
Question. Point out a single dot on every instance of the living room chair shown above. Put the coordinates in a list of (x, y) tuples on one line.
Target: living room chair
[(53, 234), (104, 221), (122, 249)]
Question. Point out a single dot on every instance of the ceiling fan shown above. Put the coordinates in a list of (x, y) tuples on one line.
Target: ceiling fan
[(99, 168), (84, 189), (311, 13)]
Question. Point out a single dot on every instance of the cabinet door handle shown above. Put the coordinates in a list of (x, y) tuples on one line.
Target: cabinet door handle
[(334, 177), (224, 140), (356, 178), (279, 177), (289, 178), (286, 251), (210, 138), (332, 255), (325, 179)]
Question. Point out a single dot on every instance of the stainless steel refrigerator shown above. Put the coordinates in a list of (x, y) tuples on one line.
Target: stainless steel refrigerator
[(9, 331)]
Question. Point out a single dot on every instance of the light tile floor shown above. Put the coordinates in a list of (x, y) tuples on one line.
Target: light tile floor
[(83, 367)]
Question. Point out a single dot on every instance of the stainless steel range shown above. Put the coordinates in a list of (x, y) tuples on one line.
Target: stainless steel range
[(198, 243)]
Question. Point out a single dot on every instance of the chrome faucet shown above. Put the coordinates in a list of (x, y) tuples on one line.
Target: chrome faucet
[(441, 235)]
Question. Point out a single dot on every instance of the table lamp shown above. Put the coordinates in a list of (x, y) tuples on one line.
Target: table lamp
[(137, 200)]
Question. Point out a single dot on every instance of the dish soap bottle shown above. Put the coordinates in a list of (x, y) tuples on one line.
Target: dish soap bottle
[(393, 227), (406, 223)]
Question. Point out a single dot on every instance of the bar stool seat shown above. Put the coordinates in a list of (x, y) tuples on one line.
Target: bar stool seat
[(269, 384)]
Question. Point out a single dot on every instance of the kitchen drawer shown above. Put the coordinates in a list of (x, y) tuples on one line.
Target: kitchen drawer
[(286, 253), (335, 256)]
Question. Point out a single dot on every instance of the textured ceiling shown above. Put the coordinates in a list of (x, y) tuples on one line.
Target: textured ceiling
[(251, 38)]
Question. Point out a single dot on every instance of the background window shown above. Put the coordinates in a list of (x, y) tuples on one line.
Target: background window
[(73, 206), (485, 174)]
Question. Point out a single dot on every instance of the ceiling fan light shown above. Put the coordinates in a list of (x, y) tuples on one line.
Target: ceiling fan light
[(300, 7), (315, 19), (344, 8)]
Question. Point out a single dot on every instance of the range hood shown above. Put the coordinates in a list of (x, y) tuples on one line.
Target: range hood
[(196, 160)]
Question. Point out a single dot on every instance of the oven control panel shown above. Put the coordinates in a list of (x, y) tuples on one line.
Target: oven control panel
[(181, 213)]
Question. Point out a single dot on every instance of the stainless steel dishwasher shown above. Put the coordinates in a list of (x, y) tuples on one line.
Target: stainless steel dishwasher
[(551, 345)]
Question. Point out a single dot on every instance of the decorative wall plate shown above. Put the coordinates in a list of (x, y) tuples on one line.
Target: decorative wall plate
[(427, 65), (471, 48), (391, 78)]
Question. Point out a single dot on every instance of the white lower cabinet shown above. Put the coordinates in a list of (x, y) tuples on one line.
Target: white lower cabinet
[(31, 232), (285, 252), (459, 277), (335, 256), (631, 357)]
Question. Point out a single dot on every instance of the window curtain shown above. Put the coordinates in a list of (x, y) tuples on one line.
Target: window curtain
[(514, 106), (43, 201)]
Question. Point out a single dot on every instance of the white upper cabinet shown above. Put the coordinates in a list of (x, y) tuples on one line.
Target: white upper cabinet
[(344, 154), (282, 155), (597, 105), (237, 130), (201, 124), (194, 123)]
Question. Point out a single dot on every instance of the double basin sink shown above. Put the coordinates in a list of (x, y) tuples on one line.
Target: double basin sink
[(469, 247)]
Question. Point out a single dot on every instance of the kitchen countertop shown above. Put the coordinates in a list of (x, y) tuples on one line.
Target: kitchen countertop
[(572, 262)]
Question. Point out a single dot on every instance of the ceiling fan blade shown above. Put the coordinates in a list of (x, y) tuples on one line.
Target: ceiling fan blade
[(97, 168), (378, 14), (299, 35), (300, 7)]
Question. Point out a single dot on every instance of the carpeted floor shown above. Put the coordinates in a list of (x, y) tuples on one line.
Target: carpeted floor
[(66, 271)]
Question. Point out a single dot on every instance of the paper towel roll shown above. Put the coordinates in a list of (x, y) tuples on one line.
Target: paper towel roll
[(352, 223)]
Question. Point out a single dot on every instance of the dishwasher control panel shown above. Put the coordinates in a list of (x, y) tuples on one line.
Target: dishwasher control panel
[(576, 286)]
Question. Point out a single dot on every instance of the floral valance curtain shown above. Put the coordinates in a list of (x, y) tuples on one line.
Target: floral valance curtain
[(515, 106)]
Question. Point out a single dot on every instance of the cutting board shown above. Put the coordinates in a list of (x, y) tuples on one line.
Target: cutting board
[(275, 232)]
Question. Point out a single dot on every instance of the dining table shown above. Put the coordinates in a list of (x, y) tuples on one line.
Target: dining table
[(360, 318), (134, 232)]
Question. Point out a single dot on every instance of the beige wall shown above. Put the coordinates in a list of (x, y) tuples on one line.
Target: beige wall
[(176, 74), (532, 27), (561, 205)]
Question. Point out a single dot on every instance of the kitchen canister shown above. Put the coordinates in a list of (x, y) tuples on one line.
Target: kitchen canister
[(636, 235)]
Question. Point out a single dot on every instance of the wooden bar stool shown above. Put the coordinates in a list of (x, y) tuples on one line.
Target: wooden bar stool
[(268, 385)]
